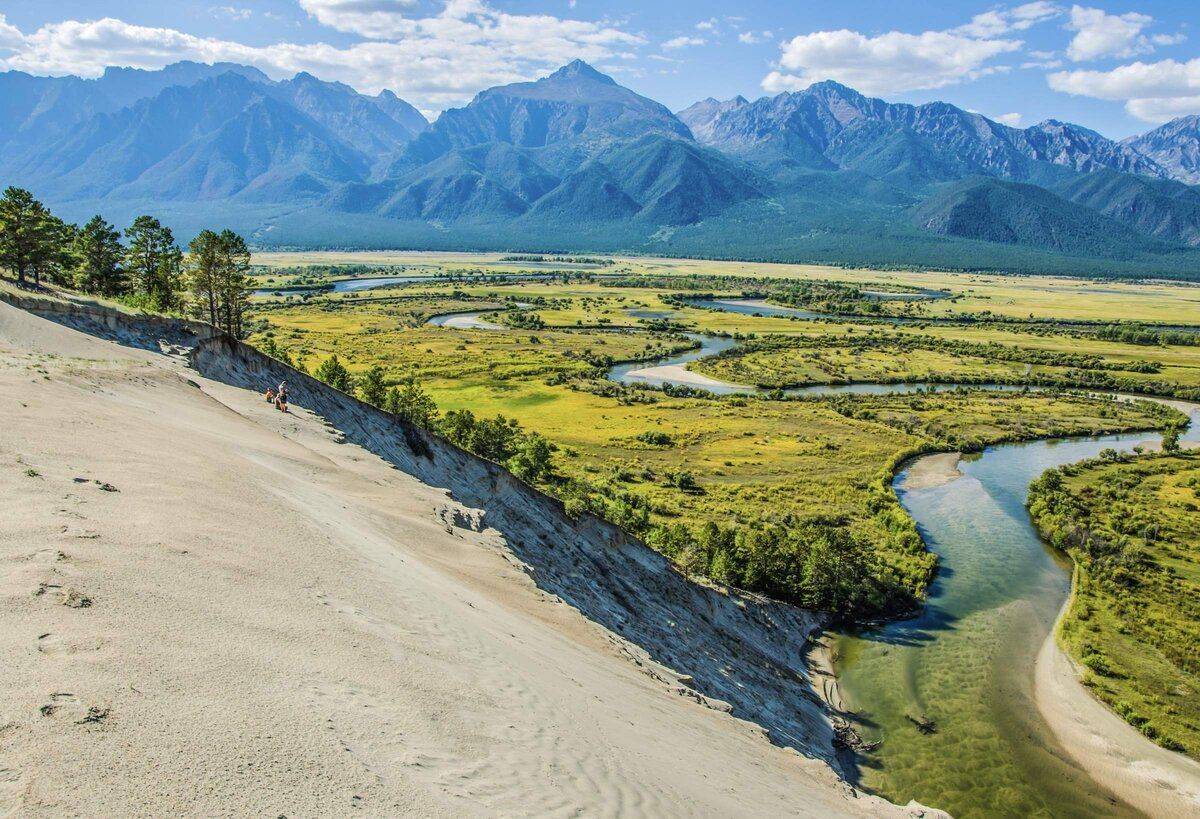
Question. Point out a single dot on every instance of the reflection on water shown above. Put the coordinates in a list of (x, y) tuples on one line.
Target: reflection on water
[(966, 662)]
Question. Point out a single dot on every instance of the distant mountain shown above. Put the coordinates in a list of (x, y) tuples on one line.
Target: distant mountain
[(828, 124), (993, 210), (37, 108), (1175, 146), (197, 133), (223, 137), (576, 161), (566, 117), (1161, 208)]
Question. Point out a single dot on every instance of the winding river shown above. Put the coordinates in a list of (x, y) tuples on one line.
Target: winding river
[(966, 663)]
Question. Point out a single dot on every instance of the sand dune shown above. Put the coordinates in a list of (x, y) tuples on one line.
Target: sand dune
[(209, 607)]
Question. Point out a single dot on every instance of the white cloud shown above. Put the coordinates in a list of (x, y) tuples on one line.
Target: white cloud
[(886, 63), (710, 24), (1012, 120), (996, 22), (683, 42), (1043, 60), (231, 12), (432, 61), (752, 37), (1154, 92), (10, 36), (1099, 34), (370, 18)]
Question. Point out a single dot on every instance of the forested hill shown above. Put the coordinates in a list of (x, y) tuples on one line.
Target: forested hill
[(575, 161)]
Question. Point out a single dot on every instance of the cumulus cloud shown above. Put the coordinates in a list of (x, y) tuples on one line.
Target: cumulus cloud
[(370, 18), (997, 22), (433, 61), (231, 12), (1012, 120), (683, 42), (10, 36), (1153, 92), (752, 37), (1099, 34), (711, 24), (886, 63)]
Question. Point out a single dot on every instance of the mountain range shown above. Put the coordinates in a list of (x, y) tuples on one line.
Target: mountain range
[(576, 161)]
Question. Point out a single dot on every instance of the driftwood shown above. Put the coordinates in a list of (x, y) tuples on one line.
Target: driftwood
[(844, 736), (924, 724)]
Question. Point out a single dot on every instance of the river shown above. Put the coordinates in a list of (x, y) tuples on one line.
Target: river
[(966, 662)]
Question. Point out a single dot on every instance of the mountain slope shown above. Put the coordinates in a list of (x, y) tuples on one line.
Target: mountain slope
[(1175, 146), (1161, 208), (992, 210), (376, 128)]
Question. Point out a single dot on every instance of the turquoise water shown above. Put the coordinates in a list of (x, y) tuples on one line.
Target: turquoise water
[(967, 661)]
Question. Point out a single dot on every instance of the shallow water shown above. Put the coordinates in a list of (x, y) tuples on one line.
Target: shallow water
[(967, 661), (631, 373)]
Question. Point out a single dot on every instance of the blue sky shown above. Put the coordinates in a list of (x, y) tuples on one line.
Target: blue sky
[(1117, 67)]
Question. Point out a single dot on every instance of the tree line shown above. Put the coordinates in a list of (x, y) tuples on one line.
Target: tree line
[(526, 454), (145, 267)]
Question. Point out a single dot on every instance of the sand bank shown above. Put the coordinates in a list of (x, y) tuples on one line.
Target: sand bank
[(930, 471), (1152, 779), (681, 375)]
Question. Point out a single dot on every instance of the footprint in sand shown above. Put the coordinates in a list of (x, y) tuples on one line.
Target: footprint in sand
[(75, 599), (46, 556), (54, 644), (68, 708), (69, 597)]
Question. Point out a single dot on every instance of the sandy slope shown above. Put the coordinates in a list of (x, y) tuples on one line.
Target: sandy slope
[(210, 608)]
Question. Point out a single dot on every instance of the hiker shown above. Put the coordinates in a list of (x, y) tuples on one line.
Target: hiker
[(282, 397), (270, 395)]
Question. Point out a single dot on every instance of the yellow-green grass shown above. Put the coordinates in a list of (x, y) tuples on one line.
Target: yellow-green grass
[(585, 304), (1133, 529), (753, 460), (1009, 296)]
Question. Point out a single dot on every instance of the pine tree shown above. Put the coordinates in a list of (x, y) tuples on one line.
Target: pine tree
[(26, 234), (414, 404), (203, 266), (334, 373), (371, 387), (58, 258), (155, 263), (99, 251), (234, 281)]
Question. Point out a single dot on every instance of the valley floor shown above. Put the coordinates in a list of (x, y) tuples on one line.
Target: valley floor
[(211, 608)]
